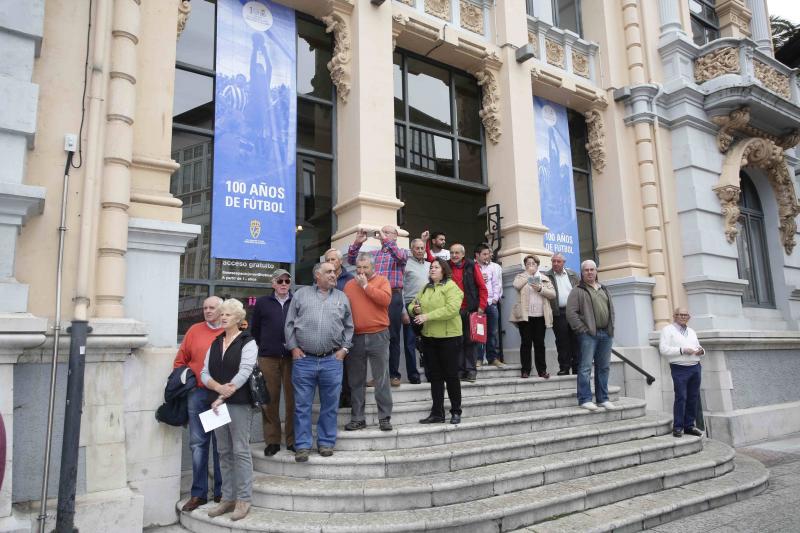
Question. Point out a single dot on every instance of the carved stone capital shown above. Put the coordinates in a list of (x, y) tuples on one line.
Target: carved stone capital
[(729, 200), (714, 64), (596, 147), (184, 8), (729, 124), (338, 65), (490, 103)]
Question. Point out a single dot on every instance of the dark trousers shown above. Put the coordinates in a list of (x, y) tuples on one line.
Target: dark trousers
[(468, 348), (566, 343), (441, 360), (410, 347), (395, 330), (686, 382), (532, 333)]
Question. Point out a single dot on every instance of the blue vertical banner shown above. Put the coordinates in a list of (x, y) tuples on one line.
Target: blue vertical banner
[(255, 132), (556, 188)]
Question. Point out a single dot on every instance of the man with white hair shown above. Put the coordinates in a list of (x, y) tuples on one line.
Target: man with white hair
[(590, 313), (334, 257), (564, 280), (192, 353), (390, 262)]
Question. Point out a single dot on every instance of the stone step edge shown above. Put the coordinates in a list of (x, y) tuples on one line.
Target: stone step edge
[(422, 456), (498, 513), (467, 422), (395, 494), (748, 479)]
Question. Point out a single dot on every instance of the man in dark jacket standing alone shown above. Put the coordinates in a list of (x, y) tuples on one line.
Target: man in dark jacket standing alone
[(467, 275), (269, 317), (564, 280), (590, 313)]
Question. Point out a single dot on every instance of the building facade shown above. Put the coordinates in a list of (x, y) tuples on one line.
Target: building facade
[(682, 130)]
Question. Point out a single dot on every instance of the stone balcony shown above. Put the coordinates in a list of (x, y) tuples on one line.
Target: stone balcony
[(563, 49), (471, 15)]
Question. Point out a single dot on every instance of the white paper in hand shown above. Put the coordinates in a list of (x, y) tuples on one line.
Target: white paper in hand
[(212, 420)]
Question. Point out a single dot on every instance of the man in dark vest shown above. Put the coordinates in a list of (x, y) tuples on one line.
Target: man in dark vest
[(564, 280), (469, 279)]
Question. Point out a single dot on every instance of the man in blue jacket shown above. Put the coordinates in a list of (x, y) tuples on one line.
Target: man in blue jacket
[(269, 317)]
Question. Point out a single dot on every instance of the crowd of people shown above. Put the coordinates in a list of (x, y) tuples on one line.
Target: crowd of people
[(321, 338)]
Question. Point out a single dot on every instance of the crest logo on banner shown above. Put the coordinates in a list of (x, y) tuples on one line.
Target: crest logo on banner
[(556, 188), (255, 135)]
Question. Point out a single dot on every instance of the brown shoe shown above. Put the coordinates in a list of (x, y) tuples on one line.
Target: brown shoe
[(193, 503), (225, 506), (241, 510), (395, 382)]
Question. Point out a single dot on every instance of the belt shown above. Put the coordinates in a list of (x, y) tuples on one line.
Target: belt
[(319, 354), (397, 289)]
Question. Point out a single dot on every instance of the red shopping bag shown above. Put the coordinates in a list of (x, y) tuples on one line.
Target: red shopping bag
[(477, 327)]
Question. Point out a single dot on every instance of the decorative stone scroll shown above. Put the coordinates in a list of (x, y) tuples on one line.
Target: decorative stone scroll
[(554, 52), (729, 200), (596, 147), (438, 8), (184, 8), (341, 54), (471, 16), (714, 64), (490, 103), (580, 63), (739, 121), (772, 79)]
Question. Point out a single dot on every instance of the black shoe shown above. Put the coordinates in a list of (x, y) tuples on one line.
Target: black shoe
[(693, 431), (432, 419), (472, 377), (355, 425), (455, 419), (563, 373), (384, 424), (414, 381), (272, 449), (677, 433), (290, 447)]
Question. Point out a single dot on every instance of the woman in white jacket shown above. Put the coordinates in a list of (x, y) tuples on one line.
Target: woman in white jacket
[(532, 314)]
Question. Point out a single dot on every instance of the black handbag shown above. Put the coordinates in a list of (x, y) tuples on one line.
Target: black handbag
[(259, 395)]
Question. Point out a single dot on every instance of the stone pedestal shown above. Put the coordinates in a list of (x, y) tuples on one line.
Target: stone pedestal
[(633, 311)]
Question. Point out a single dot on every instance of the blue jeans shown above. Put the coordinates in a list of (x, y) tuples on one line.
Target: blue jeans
[(395, 330), (595, 348), (686, 382), (492, 346), (410, 344), (199, 444), (308, 373)]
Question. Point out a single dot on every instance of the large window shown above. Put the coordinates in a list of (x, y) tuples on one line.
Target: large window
[(582, 180), (438, 132), (753, 260), (193, 149), (705, 24), (565, 14)]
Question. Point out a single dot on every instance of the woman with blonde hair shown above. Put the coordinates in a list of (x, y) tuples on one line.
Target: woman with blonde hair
[(532, 314), (228, 365)]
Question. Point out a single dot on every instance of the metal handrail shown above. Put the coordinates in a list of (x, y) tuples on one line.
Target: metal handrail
[(650, 379)]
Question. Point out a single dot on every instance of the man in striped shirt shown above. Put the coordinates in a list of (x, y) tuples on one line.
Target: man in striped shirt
[(390, 262)]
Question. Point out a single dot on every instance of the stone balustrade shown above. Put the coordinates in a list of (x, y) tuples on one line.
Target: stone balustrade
[(563, 49)]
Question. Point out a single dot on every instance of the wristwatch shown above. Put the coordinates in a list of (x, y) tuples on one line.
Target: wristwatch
[(346, 350)]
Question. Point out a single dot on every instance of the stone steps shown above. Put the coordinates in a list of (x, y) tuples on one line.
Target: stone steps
[(434, 490), (409, 412), (748, 478), (483, 427), (396, 463), (505, 512)]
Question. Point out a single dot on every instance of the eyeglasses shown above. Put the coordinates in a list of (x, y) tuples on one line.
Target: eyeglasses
[(283, 281), (680, 315)]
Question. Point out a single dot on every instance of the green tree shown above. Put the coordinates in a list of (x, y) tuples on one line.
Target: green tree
[(782, 30)]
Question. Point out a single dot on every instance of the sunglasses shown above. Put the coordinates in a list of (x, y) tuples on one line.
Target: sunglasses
[(283, 281)]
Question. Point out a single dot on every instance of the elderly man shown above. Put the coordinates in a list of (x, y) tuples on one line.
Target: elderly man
[(334, 257), (319, 332), (415, 277), (680, 346), (390, 262), (493, 277), (369, 296), (467, 275), (274, 360), (192, 353), (564, 280), (590, 313)]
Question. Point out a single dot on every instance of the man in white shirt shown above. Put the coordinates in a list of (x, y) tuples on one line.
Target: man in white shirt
[(493, 277), (680, 346), (564, 280)]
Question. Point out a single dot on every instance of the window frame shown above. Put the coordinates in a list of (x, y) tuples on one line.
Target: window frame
[(579, 138), (709, 25), (578, 16), (759, 263)]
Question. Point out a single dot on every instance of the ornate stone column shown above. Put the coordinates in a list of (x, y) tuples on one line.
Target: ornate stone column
[(361, 69), (670, 14), (760, 26)]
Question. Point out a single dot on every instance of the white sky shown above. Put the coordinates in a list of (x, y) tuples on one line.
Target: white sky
[(788, 9)]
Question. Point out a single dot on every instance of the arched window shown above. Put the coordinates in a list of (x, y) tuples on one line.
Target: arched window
[(753, 261)]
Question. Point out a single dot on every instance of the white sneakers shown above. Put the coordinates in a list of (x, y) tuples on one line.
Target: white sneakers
[(590, 406)]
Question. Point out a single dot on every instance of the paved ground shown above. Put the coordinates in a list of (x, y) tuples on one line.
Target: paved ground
[(776, 510)]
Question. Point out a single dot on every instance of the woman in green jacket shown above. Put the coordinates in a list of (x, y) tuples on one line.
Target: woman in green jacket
[(437, 308)]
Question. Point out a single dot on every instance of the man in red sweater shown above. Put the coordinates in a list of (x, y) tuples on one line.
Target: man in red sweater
[(370, 296), (192, 353), (469, 278)]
